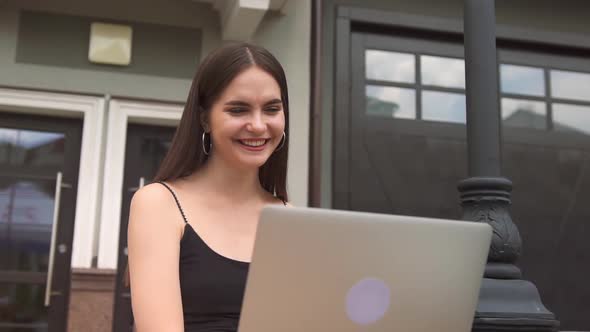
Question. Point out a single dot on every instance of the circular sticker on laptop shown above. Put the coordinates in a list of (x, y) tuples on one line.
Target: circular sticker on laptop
[(367, 301)]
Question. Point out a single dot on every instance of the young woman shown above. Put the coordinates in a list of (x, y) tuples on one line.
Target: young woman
[(191, 232)]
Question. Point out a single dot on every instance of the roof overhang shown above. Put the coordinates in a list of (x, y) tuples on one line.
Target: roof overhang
[(240, 18)]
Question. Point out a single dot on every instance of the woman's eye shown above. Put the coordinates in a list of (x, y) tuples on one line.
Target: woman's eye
[(273, 109), (237, 110)]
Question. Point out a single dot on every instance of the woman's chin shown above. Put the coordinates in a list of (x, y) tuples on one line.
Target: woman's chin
[(247, 161), (253, 162)]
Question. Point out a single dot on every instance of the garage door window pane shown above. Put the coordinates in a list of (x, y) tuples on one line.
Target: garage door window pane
[(390, 66), (571, 118), (570, 85), (524, 113), (443, 106), (522, 80), (391, 102), (445, 72)]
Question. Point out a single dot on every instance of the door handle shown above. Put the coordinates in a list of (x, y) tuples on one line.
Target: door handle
[(54, 227), (140, 185)]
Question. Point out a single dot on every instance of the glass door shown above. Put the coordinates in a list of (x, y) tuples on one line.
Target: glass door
[(39, 160), (146, 147)]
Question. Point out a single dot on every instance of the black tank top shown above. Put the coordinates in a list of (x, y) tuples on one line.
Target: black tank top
[(211, 285)]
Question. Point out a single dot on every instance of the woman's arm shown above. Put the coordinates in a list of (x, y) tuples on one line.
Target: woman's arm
[(153, 251)]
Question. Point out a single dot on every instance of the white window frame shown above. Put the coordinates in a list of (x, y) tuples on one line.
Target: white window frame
[(121, 113), (91, 110)]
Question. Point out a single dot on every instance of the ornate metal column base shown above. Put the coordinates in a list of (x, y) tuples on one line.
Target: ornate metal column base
[(512, 305), (506, 302)]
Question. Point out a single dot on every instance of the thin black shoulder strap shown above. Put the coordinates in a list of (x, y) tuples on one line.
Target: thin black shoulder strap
[(175, 199)]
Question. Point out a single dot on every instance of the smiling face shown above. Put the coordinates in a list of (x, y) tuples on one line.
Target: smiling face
[(247, 121)]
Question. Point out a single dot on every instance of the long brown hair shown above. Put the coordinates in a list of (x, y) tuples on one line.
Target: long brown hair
[(214, 74)]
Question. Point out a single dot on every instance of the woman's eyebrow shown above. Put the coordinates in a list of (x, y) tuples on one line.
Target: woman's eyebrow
[(273, 101), (236, 103), (242, 103)]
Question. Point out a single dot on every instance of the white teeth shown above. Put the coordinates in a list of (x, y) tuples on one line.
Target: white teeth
[(254, 143)]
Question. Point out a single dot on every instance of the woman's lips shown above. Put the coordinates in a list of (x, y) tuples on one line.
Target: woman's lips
[(253, 144)]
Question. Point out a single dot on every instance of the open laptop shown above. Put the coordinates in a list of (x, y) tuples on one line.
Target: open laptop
[(316, 270)]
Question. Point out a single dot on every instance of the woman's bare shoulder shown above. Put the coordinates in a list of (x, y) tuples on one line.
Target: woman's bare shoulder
[(153, 206), (151, 193), (153, 239)]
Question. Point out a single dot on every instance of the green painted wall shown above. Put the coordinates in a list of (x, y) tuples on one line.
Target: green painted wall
[(186, 14)]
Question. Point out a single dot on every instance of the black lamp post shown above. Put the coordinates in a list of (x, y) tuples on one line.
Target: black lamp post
[(506, 301)]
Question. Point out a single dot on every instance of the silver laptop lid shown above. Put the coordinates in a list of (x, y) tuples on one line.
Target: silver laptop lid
[(327, 270)]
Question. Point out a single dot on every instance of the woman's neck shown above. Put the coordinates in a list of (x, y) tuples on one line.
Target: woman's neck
[(238, 184)]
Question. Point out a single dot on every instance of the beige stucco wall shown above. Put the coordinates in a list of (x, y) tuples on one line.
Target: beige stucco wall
[(287, 36)]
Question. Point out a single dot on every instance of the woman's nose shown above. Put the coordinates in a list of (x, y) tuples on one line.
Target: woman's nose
[(256, 123)]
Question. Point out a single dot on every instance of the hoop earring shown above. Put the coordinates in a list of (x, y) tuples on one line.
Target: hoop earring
[(282, 142), (203, 144)]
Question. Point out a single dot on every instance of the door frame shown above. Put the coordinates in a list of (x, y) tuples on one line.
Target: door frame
[(91, 110), (57, 278), (121, 113), (135, 169)]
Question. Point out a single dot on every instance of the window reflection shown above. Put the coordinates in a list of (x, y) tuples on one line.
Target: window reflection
[(390, 66), (443, 106), (23, 306), (522, 80), (31, 148), (524, 113), (571, 118), (391, 102), (445, 72), (153, 150), (570, 85), (440, 104), (26, 211)]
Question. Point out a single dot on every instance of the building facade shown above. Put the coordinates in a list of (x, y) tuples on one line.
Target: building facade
[(377, 93)]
